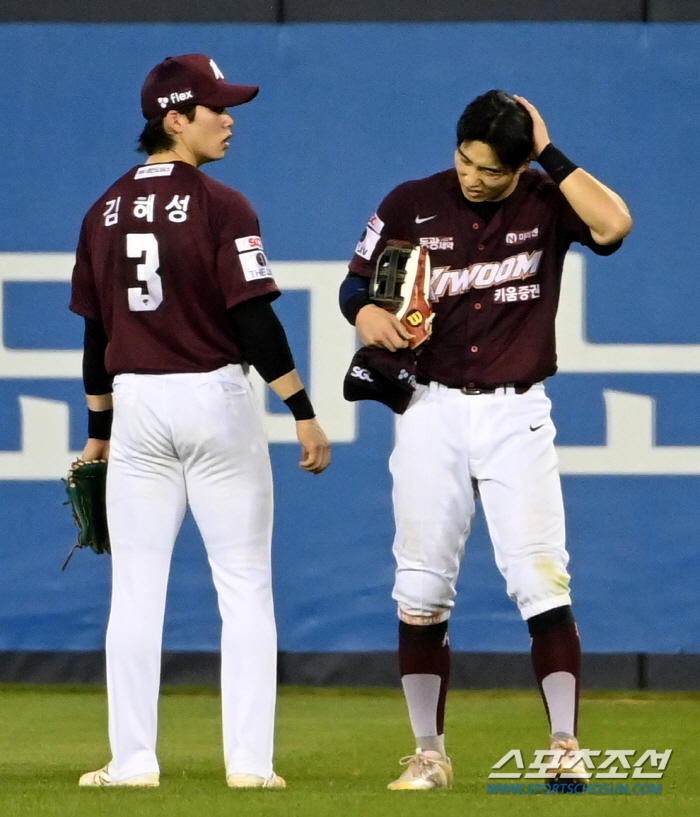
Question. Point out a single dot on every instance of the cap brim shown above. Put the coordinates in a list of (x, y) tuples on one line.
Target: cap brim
[(228, 96)]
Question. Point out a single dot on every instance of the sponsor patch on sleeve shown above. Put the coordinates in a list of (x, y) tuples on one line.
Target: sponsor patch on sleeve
[(255, 266), (150, 171), (376, 224), (370, 237), (249, 242)]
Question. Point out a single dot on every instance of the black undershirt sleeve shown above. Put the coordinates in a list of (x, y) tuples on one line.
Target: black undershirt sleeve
[(261, 337), (354, 294), (96, 379)]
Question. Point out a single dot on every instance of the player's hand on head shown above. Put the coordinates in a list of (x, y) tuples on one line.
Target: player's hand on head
[(377, 327), (96, 450), (315, 446), (540, 134)]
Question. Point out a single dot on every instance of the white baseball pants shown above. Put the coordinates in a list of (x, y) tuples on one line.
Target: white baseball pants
[(197, 439), (448, 444)]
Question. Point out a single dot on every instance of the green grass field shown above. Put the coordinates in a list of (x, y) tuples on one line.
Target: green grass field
[(337, 749)]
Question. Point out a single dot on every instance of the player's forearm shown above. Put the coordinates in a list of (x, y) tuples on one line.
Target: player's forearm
[(96, 378), (291, 391), (100, 416), (598, 206), (287, 385), (261, 337), (605, 213), (264, 342), (99, 402), (97, 382)]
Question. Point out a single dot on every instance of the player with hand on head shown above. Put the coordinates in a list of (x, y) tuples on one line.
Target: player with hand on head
[(478, 424), (172, 281)]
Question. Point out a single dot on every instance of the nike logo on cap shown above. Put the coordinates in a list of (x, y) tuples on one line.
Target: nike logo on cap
[(535, 428), (420, 220)]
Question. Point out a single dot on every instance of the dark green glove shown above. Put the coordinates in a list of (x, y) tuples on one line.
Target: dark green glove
[(85, 486)]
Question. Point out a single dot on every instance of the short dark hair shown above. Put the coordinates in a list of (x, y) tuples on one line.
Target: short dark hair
[(154, 138), (502, 123)]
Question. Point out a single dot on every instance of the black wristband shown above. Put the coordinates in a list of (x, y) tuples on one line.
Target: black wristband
[(100, 424), (300, 406), (555, 164)]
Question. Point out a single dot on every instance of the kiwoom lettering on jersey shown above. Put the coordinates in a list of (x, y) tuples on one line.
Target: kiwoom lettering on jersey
[(521, 238), (446, 281)]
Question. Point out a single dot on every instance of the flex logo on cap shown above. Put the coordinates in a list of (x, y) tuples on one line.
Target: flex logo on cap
[(174, 98)]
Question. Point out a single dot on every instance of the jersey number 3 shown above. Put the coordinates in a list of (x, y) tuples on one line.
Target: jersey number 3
[(149, 296)]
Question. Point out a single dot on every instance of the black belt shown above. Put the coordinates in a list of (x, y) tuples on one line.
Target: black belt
[(518, 388)]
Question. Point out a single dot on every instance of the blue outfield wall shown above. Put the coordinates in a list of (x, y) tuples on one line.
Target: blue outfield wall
[(345, 113)]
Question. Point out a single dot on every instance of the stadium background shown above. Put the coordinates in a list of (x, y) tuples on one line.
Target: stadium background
[(346, 111)]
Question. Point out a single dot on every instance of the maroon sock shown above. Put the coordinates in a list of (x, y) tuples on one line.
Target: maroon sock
[(426, 651), (556, 647)]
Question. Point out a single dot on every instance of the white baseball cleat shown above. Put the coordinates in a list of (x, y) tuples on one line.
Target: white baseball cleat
[(568, 768), (424, 770), (102, 777), (241, 780)]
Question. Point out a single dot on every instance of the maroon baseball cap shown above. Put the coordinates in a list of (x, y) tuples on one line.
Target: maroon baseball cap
[(192, 79), (378, 374)]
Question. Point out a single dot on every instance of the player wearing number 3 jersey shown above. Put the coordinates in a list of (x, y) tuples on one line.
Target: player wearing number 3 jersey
[(175, 289), (478, 424)]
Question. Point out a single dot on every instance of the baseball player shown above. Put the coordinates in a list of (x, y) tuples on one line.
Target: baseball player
[(175, 289), (478, 424)]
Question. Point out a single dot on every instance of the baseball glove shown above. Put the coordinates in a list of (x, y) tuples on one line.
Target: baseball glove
[(401, 284), (85, 486)]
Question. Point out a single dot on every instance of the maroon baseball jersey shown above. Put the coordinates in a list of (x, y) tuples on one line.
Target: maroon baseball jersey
[(161, 257), (495, 286)]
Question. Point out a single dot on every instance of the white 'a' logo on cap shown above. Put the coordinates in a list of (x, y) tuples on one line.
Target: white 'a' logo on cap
[(215, 68)]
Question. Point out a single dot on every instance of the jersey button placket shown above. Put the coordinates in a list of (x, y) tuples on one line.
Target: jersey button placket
[(474, 348), (477, 226)]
